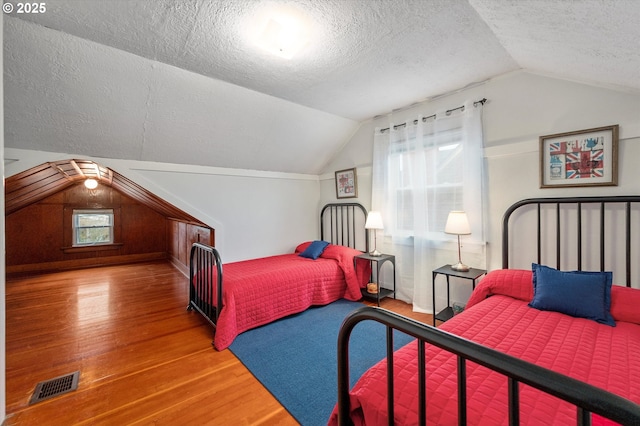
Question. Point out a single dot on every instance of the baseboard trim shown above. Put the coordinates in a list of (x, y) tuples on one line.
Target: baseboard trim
[(85, 263)]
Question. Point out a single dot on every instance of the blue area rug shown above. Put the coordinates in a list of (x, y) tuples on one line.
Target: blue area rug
[(295, 358)]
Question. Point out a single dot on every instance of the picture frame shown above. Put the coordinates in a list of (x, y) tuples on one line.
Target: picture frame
[(346, 183), (580, 158)]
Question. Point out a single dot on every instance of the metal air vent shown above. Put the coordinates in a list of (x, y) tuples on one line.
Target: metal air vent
[(54, 387)]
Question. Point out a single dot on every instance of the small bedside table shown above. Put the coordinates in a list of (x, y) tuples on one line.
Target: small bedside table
[(472, 274), (379, 260)]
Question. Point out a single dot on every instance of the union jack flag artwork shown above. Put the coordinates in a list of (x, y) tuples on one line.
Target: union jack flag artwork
[(585, 164), (579, 158), (557, 148)]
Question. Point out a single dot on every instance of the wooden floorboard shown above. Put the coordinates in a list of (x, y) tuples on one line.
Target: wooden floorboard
[(143, 359)]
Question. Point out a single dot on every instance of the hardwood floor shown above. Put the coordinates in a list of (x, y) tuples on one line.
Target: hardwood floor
[(143, 359)]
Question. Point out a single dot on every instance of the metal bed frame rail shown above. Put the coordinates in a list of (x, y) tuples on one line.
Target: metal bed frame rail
[(561, 203), (588, 399), (205, 266)]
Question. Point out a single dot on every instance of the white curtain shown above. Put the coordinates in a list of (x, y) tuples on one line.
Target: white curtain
[(421, 171)]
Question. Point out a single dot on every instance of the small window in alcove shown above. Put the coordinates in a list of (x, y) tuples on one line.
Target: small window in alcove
[(92, 227)]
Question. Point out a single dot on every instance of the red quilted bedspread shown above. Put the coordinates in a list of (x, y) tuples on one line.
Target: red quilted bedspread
[(598, 354), (259, 291)]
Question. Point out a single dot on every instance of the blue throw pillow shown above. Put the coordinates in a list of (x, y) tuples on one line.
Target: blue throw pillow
[(577, 293), (314, 250)]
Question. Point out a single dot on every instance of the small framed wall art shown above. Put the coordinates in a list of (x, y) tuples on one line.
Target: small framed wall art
[(346, 183), (580, 158)]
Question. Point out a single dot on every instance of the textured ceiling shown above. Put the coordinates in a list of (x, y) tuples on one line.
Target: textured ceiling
[(144, 79)]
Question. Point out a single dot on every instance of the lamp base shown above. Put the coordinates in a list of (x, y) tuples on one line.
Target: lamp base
[(460, 267), (375, 253)]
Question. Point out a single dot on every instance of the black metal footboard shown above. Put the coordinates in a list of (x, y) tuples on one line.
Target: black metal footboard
[(205, 281), (588, 399)]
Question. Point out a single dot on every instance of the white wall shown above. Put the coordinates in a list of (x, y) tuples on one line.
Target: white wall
[(549, 106), (254, 213), (521, 107)]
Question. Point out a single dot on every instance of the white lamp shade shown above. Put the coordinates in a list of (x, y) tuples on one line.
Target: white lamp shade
[(457, 223), (374, 221)]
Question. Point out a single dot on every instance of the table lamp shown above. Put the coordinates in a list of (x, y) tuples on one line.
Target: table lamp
[(458, 224), (374, 221)]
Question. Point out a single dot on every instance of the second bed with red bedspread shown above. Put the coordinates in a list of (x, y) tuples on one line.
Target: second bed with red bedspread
[(581, 348)]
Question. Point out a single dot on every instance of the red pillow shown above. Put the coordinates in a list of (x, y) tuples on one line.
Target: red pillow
[(303, 246), (624, 304)]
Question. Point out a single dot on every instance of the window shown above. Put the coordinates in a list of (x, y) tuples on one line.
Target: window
[(91, 227), (421, 171), (424, 169), (429, 172)]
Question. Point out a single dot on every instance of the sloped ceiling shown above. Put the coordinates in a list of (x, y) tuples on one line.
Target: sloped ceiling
[(37, 183), (180, 81)]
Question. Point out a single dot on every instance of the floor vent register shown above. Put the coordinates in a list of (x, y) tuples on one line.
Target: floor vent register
[(54, 387)]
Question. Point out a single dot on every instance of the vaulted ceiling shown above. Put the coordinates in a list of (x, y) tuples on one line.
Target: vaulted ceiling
[(181, 81), (37, 183)]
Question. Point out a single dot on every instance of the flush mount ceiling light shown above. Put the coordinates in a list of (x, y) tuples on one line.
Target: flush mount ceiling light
[(283, 37), (282, 32), (91, 183)]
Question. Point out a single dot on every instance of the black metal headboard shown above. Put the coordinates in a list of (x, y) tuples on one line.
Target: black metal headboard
[(560, 225), (343, 224)]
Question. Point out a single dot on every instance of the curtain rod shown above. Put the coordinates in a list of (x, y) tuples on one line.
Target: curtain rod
[(447, 112)]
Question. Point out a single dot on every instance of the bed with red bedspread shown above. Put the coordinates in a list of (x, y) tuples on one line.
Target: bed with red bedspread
[(238, 296), (539, 346), (259, 291), (498, 316)]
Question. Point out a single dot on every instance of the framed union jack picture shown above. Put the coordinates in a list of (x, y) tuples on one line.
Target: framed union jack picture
[(581, 158)]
